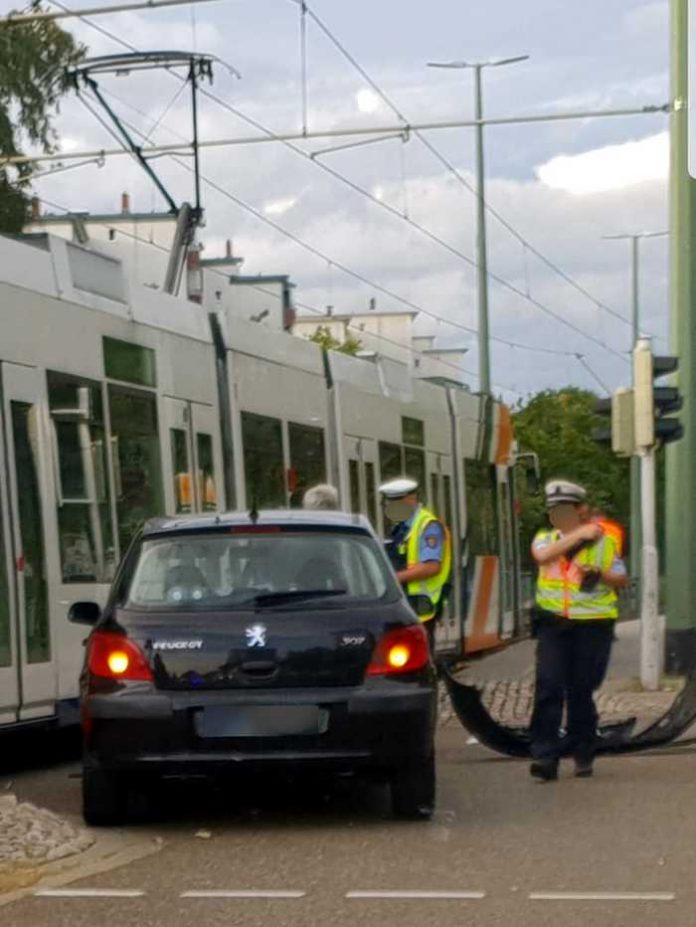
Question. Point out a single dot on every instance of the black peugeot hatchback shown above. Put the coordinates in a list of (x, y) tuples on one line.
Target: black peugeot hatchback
[(278, 641)]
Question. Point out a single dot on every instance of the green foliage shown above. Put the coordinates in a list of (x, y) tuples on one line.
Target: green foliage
[(557, 425), (33, 59), (323, 337)]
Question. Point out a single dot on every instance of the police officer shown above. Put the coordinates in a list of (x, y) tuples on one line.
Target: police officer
[(419, 549), (580, 569)]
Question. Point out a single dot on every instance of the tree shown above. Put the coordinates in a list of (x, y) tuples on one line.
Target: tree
[(323, 337), (557, 425), (33, 59)]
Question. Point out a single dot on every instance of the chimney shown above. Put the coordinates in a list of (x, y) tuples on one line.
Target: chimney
[(125, 203), (228, 248), (35, 208), (373, 304)]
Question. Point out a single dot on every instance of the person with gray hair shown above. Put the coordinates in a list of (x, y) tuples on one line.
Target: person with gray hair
[(322, 496)]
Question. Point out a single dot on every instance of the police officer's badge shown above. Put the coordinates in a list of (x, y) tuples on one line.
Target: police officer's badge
[(431, 540)]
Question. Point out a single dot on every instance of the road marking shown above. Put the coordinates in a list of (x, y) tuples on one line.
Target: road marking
[(602, 896), (242, 893), (89, 893), (442, 896)]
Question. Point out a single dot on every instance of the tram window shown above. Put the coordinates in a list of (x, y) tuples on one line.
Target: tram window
[(434, 493), (5, 644), (447, 489), (482, 521), (136, 459), (181, 470), (412, 431), (371, 494), (206, 472), (390, 465), (415, 465), (85, 526), (354, 479), (129, 362), (24, 432), (262, 438), (307, 458)]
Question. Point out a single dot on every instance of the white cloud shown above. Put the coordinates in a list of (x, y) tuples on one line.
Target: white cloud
[(367, 101), (280, 207), (613, 167)]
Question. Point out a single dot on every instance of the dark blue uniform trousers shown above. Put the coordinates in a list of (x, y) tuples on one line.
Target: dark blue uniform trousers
[(572, 661)]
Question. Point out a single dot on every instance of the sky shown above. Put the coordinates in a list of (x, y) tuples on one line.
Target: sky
[(562, 186)]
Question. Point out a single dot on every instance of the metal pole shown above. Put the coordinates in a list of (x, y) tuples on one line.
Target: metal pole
[(681, 455), (635, 462), (650, 663), (484, 346)]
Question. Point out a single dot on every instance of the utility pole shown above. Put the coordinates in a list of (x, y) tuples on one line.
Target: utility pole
[(484, 344), (681, 457), (635, 526), (644, 429)]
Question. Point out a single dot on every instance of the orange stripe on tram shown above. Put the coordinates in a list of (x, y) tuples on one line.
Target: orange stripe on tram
[(480, 638)]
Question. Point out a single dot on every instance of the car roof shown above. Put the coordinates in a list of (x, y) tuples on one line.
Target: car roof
[(295, 518)]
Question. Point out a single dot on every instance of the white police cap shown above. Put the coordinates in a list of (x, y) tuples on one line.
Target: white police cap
[(397, 489), (559, 491)]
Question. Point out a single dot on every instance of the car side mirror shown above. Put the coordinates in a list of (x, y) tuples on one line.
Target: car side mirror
[(84, 613)]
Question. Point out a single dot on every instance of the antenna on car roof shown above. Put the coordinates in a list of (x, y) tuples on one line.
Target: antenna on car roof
[(254, 511)]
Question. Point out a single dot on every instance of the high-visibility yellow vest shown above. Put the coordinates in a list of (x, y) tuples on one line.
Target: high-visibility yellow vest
[(434, 586), (558, 584)]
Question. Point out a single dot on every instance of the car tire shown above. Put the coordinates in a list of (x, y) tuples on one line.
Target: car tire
[(413, 790), (104, 798)]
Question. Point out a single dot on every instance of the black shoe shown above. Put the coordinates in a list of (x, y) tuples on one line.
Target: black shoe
[(544, 770), (584, 768)]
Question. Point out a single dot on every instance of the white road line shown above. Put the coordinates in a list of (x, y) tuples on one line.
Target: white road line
[(242, 893), (89, 893), (602, 896), (435, 896)]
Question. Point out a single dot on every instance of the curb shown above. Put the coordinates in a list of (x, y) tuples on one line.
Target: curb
[(111, 850)]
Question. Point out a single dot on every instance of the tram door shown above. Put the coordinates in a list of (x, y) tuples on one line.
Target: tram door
[(440, 495), (9, 661), (23, 401), (361, 457), (193, 462)]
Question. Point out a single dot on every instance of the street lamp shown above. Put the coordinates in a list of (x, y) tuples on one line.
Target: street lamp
[(635, 240), (481, 249)]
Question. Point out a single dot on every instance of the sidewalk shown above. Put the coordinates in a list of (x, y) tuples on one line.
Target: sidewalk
[(506, 680)]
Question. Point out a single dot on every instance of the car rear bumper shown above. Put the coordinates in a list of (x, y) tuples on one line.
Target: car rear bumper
[(382, 724)]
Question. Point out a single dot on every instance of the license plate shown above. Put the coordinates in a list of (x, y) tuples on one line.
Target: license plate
[(261, 721)]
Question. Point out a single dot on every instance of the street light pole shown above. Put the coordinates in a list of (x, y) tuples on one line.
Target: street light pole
[(481, 243), (484, 344)]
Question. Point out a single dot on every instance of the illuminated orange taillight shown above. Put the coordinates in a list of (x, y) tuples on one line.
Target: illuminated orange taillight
[(113, 656), (404, 650)]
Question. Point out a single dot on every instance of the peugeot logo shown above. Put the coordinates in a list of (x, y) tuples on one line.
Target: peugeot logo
[(256, 635)]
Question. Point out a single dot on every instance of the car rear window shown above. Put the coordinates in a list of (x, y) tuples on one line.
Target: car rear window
[(216, 570)]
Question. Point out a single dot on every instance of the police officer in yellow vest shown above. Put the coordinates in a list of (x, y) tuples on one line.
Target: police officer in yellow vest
[(419, 548), (580, 569)]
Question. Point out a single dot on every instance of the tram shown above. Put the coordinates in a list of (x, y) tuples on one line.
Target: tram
[(119, 402)]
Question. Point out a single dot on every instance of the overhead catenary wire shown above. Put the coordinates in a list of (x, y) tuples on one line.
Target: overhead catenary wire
[(386, 206), (15, 19), (456, 172)]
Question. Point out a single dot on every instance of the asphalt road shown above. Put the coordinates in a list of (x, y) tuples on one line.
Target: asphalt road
[(498, 837)]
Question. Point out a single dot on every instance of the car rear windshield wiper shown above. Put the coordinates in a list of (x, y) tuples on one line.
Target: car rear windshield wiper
[(294, 595)]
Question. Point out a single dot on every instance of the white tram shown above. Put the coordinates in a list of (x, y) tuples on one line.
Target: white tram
[(119, 402)]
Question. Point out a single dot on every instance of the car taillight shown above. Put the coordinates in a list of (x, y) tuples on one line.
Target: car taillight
[(113, 656), (404, 650)]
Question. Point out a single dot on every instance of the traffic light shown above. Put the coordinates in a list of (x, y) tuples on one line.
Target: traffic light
[(653, 403), (621, 433)]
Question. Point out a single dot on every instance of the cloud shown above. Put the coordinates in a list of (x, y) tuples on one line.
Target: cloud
[(280, 207), (367, 101), (610, 168)]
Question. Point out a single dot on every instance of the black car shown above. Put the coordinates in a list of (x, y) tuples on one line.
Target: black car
[(277, 641)]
